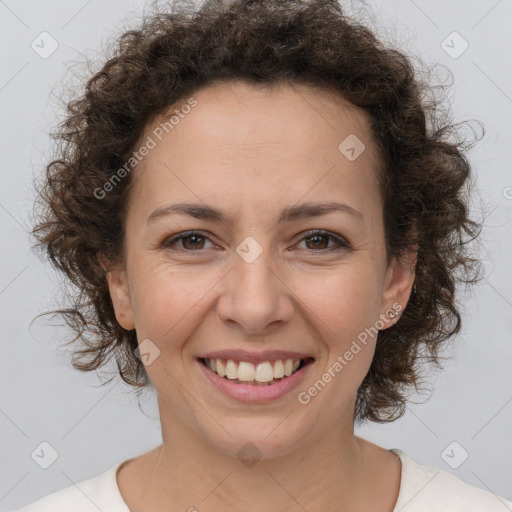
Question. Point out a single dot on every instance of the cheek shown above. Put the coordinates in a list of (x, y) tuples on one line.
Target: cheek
[(343, 307), (344, 300), (167, 302)]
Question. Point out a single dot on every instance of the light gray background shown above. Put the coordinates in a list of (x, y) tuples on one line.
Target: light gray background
[(93, 427)]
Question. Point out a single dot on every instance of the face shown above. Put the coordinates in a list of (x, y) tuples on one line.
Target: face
[(266, 275)]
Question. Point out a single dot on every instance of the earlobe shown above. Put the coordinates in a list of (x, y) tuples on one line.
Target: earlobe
[(119, 293)]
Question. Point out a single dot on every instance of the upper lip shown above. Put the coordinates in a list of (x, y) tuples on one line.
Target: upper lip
[(255, 357)]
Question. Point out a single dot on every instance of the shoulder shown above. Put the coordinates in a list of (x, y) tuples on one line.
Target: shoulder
[(98, 493), (427, 489)]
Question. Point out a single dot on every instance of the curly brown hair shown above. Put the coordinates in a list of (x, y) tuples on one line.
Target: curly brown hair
[(425, 178)]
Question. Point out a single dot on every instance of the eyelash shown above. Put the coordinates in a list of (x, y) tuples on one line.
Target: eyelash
[(340, 243)]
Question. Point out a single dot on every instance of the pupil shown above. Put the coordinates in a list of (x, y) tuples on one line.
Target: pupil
[(193, 237), (316, 237)]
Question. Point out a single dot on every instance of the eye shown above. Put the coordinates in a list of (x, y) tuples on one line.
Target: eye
[(194, 237), (316, 241), (193, 241)]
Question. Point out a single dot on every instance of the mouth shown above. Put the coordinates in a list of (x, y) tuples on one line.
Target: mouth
[(262, 373)]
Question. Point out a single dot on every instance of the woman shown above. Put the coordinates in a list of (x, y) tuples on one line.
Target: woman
[(268, 223)]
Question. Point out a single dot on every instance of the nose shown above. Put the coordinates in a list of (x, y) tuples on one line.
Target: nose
[(255, 297)]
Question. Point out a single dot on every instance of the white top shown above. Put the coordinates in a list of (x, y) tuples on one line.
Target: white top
[(422, 489)]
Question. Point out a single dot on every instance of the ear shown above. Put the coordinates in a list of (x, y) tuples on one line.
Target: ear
[(398, 284), (119, 292)]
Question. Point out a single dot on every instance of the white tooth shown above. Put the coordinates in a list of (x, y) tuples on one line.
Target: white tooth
[(213, 365), (246, 371), (278, 369), (264, 372), (221, 370), (231, 370), (296, 364), (288, 367)]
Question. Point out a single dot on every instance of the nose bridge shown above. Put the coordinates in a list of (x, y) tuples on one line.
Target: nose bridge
[(253, 280)]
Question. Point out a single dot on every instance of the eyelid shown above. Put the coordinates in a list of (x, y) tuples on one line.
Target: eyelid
[(339, 241), (169, 241)]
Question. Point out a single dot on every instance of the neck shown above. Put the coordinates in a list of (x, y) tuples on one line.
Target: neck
[(333, 466)]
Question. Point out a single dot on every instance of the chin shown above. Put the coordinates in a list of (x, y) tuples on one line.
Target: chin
[(256, 438)]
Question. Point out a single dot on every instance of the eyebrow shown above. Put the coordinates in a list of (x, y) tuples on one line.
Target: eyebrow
[(291, 213)]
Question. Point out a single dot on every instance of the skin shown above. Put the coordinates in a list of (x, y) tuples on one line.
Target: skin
[(252, 151)]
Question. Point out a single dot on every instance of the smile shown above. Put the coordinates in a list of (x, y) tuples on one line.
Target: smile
[(264, 373), (255, 378)]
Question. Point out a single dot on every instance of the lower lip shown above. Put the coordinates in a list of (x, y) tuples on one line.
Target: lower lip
[(253, 393)]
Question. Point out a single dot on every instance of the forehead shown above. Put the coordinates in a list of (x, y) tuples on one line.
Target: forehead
[(263, 113), (245, 142)]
